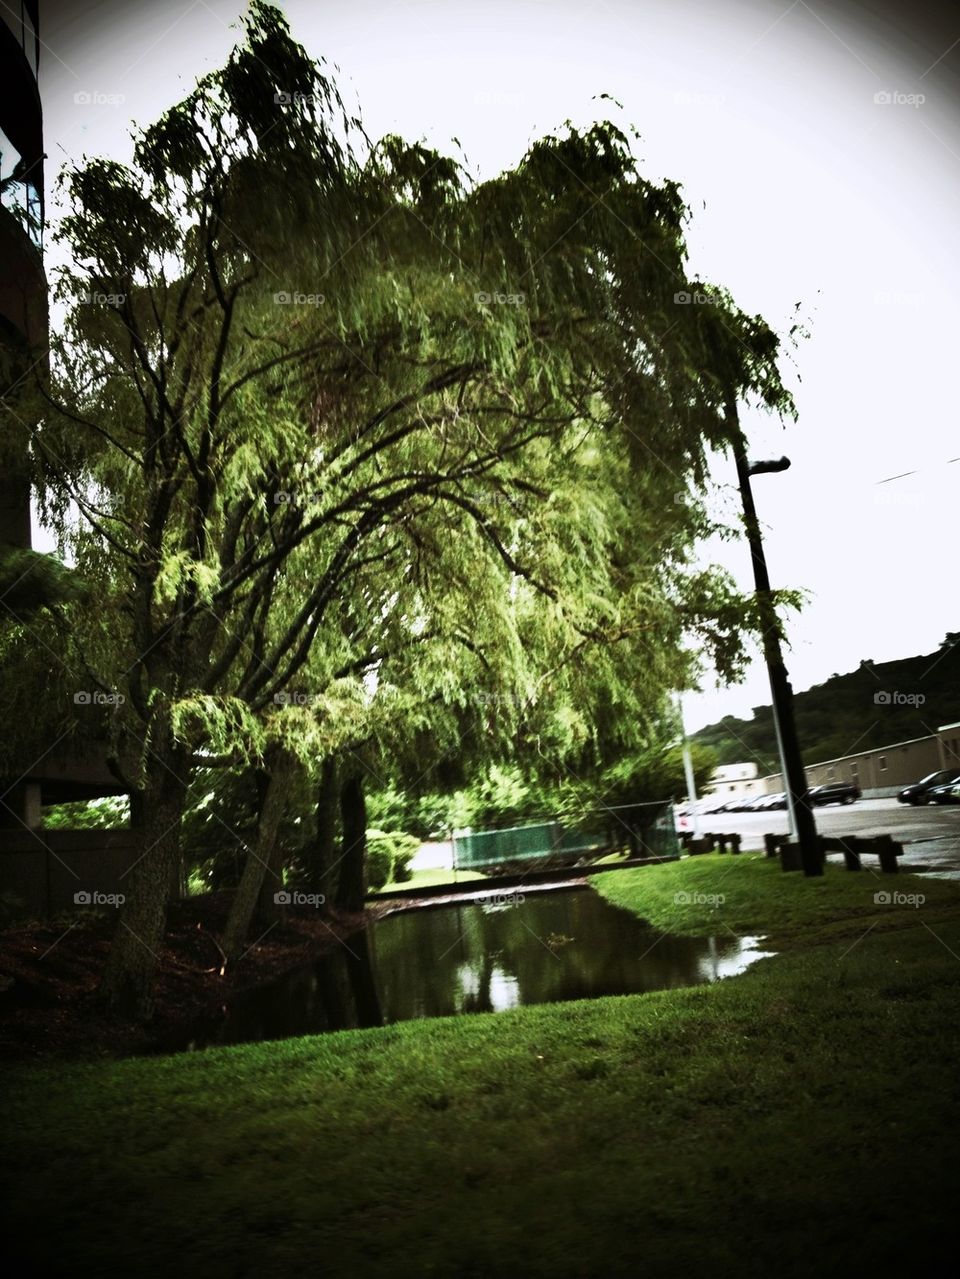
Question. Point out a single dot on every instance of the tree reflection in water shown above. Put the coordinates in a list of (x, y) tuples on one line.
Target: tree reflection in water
[(478, 957)]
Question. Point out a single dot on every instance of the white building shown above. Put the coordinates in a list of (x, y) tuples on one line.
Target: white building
[(733, 779)]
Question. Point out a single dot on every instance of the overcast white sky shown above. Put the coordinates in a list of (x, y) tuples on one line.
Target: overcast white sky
[(804, 189)]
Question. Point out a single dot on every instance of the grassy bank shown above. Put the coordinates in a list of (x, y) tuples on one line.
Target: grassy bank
[(428, 879), (750, 894), (795, 1120)]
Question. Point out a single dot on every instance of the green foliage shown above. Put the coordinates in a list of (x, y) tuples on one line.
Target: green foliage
[(389, 807), (485, 521), (656, 774), (405, 521), (503, 795), (388, 857), (30, 582), (220, 823), (110, 813), (379, 865)]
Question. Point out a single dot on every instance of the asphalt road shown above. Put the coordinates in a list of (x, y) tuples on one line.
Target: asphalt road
[(930, 834)]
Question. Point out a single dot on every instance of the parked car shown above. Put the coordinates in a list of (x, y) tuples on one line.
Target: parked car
[(919, 792), (771, 802), (834, 793), (949, 793), (757, 804), (713, 805), (747, 804)]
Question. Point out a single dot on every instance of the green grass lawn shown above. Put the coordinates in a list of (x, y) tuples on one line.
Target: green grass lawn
[(796, 1120), (429, 879), (749, 893)]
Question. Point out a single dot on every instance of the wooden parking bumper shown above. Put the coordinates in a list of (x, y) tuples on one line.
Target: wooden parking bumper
[(706, 843), (856, 847), (853, 847)]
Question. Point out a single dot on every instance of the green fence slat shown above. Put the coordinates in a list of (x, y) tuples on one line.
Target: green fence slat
[(651, 826)]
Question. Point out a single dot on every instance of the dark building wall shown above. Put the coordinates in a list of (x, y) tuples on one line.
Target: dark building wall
[(45, 776), (46, 870), (23, 286)]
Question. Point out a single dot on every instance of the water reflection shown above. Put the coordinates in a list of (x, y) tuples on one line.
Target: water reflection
[(338, 992), (476, 957), (552, 947)]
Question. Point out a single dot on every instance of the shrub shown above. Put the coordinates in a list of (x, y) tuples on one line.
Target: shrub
[(404, 850), (389, 854), (379, 859)]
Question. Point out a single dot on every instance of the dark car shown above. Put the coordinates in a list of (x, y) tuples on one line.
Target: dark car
[(919, 792), (834, 793), (946, 794)]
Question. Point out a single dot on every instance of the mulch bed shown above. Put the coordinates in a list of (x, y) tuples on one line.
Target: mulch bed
[(49, 971)]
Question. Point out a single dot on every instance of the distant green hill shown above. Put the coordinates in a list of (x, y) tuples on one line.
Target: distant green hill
[(843, 716)]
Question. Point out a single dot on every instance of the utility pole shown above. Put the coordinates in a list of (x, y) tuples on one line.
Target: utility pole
[(688, 771), (794, 777)]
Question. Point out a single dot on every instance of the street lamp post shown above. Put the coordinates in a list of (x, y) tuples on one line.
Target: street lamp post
[(794, 777), (688, 771)]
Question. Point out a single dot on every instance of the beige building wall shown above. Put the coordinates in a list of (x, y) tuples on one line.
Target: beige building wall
[(880, 773)]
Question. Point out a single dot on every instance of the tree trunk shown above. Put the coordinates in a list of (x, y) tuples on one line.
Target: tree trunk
[(268, 910), (135, 952), (351, 887), (259, 872), (321, 871)]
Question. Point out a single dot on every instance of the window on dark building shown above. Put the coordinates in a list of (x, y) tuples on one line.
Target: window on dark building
[(17, 193)]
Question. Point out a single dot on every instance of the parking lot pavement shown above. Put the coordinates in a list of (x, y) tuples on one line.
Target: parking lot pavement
[(930, 834)]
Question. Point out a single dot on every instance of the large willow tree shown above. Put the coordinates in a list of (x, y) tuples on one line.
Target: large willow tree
[(317, 401)]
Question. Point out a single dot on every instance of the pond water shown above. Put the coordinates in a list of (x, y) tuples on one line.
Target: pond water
[(475, 957)]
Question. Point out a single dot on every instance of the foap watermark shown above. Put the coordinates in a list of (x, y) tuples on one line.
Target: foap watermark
[(897, 497), (501, 899), (895, 898), (499, 299), (283, 298), (93, 897), (693, 297), (898, 297), (494, 699), (91, 298), (896, 98), (98, 698), (94, 98), (293, 897), (898, 699), (285, 99), (297, 498), (496, 499), (713, 900), (296, 698)]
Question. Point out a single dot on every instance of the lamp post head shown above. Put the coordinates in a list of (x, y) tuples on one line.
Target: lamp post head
[(763, 468)]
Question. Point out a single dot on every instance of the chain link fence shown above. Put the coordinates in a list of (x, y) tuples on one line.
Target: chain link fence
[(634, 830)]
